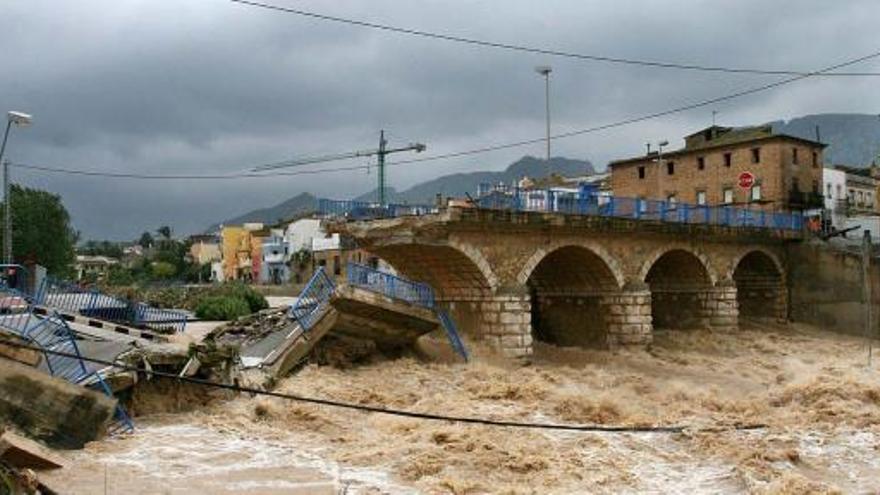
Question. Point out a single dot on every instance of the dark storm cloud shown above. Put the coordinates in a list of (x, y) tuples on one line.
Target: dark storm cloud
[(214, 87)]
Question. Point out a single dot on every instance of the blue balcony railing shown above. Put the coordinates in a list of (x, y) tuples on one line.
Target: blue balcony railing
[(390, 285)]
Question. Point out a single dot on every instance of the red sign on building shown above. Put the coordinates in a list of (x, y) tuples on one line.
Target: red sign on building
[(746, 180)]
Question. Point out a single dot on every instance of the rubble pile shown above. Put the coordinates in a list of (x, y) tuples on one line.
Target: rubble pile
[(251, 328)]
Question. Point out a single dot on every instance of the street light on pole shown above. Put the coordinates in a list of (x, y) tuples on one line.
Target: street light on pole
[(21, 120), (545, 71)]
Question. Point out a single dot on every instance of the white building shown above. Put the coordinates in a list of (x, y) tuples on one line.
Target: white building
[(299, 234), (835, 195)]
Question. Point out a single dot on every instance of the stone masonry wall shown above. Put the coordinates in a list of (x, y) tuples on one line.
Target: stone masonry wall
[(719, 308), (628, 318)]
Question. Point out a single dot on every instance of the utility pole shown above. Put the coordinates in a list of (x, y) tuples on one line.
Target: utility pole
[(381, 152), (381, 156), (384, 150), (7, 215), (866, 292), (545, 71), (20, 120)]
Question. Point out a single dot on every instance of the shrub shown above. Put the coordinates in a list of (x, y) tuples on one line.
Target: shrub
[(222, 308), (255, 300)]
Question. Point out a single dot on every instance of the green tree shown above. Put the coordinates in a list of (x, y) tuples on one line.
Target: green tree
[(165, 232), (41, 230), (163, 270)]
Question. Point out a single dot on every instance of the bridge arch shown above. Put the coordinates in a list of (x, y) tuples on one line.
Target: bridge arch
[(610, 263), (568, 288), (760, 285), (455, 271), (680, 281)]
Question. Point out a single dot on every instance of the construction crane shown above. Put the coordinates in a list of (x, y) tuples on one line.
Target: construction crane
[(381, 152)]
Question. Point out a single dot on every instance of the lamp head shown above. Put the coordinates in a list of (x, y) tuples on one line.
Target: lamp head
[(543, 70), (19, 118)]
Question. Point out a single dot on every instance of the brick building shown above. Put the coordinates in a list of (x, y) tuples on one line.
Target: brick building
[(787, 170)]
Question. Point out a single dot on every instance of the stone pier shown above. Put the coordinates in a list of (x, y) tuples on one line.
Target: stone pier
[(628, 317)]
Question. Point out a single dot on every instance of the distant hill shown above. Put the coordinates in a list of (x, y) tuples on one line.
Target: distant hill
[(459, 184), (853, 138), (298, 205)]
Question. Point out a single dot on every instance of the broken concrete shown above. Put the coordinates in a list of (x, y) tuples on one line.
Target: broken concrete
[(20, 452), (51, 410)]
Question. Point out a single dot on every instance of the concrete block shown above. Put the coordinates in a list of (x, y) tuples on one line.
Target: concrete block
[(50, 409)]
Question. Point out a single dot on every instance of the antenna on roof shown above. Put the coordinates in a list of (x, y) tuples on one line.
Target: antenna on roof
[(714, 113), (818, 136)]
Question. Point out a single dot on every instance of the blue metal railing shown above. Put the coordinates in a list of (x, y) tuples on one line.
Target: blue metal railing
[(390, 285), (90, 302), (51, 333), (452, 333), (313, 300), (417, 293), (590, 205), (361, 210)]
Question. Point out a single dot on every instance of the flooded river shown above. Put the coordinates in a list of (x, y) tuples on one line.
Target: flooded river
[(813, 390)]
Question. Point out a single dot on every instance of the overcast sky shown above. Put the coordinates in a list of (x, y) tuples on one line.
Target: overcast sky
[(209, 86)]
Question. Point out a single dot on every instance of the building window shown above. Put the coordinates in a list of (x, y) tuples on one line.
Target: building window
[(672, 201), (816, 187), (756, 155), (641, 172), (337, 267), (701, 163), (643, 205), (756, 192), (795, 184), (839, 192), (670, 168), (815, 160), (828, 191), (728, 159), (728, 195), (794, 156), (701, 197)]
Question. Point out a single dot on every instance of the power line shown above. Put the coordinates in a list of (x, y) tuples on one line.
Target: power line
[(475, 151), (645, 117), (123, 175), (540, 51), (383, 410)]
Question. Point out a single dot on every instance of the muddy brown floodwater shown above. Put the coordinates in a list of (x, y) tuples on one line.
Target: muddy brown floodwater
[(813, 390)]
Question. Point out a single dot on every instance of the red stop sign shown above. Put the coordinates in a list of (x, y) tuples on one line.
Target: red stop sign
[(746, 180)]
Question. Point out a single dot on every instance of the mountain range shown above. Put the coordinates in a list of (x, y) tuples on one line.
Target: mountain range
[(853, 139), (448, 185)]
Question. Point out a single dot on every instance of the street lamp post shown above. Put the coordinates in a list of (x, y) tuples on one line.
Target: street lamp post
[(21, 120), (660, 146), (545, 71)]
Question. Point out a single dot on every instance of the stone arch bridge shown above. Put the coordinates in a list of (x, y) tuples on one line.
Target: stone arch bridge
[(513, 277)]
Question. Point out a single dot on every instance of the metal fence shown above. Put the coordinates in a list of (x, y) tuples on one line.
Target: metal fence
[(313, 300), (590, 205), (390, 285), (363, 210), (92, 303), (52, 334)]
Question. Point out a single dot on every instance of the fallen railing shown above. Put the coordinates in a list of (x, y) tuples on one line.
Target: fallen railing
[(313, 300), (52, 334), (90, 302), (390, 285)]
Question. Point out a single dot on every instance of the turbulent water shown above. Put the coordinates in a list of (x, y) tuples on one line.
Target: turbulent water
[(813, 390)]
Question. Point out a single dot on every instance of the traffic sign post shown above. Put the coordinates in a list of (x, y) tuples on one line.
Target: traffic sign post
[(746, 180)]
